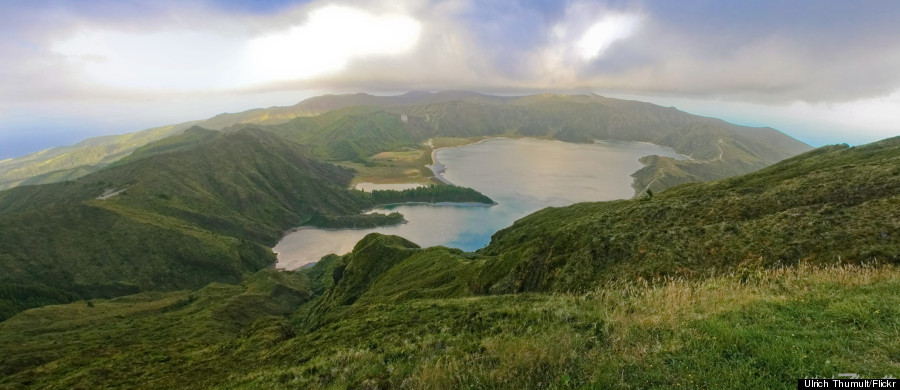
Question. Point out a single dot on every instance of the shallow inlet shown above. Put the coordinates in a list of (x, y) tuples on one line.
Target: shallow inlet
[(522, 175)]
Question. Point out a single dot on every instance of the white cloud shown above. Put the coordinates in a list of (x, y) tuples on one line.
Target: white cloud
[(584, 34), (180, 60), (756, 73), (602, 34), (186, 60), (332, 37)]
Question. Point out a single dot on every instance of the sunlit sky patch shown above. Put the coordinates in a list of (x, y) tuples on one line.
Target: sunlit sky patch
[(185, 60), (823, 71), (605, 32), (332, 37)]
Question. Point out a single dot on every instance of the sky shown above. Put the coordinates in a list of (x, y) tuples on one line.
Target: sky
[(821, 71)]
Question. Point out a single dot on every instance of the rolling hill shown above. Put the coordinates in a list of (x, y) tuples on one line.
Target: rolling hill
[(750, 280), (180, 213), (69, 162), (222, 197)]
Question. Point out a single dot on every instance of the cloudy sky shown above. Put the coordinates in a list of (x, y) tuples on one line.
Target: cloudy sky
[(821, 71)]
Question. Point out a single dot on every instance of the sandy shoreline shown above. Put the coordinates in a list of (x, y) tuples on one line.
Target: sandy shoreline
[(438, 169)]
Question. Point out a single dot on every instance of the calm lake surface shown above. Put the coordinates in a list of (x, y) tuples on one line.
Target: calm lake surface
[(522, 175)]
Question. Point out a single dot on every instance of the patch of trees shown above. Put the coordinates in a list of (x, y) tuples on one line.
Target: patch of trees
[(430, 194)]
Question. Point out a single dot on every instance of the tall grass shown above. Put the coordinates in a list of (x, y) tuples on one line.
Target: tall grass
[(760, 329), (763, 328)]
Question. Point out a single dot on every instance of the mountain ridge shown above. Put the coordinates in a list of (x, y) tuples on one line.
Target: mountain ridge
[(96, 152), (79, 161)]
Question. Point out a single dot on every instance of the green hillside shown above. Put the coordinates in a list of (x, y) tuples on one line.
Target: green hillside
[(757, 280), (588, 118), (355, 127), (350, 134), (761, 334), (835, 204), (70, 162), (321, 104), (180, 213)]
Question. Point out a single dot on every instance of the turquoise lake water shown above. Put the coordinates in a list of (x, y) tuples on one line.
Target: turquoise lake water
[(522, 175)]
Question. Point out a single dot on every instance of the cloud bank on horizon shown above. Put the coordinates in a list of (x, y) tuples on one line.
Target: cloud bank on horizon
[(823, 71)]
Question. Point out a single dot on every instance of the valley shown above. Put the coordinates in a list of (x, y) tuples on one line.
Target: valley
[(223, 198), (614, 244), (217, 215)]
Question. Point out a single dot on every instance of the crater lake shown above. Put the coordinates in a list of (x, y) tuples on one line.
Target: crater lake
[(522, 175)]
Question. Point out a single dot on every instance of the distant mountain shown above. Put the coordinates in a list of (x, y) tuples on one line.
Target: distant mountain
[(716, 149), (353, 127), (322, 104), (69, 162)]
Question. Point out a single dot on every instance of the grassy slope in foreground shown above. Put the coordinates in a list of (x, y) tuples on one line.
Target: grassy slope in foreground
[(765, 332), (835, 203), (393, 314)]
